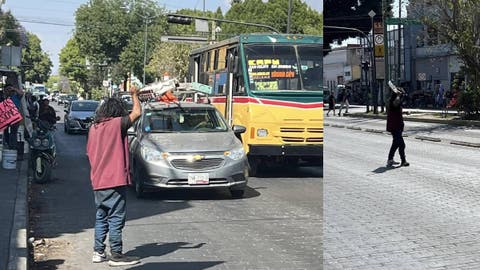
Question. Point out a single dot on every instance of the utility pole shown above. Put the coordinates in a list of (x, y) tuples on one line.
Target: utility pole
[(289, 15), (399, 52), (145, 50), (374, 75)]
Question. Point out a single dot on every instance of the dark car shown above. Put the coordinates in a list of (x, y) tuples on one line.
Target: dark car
[(69, 98), (79, 115), (186, 146)]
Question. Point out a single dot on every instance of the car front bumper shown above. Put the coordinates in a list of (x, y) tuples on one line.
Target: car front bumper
[(232, 174)]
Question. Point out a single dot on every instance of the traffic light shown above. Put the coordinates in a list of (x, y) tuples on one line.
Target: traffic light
[(179, 19), (365, 65)]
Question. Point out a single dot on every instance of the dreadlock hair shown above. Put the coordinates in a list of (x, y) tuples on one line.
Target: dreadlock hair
[(112, 107)]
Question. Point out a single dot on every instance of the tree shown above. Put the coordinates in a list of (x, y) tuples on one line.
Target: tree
[(457, 23), (352, 14), (274, 13), (36, 65), (103, 28), (171, 58), (72, 63), (10, 30)]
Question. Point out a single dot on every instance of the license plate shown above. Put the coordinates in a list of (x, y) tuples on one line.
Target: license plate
[(198, 179)]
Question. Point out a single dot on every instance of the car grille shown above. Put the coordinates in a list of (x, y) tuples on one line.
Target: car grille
[(183, 182), (301, 135), (202, 164)]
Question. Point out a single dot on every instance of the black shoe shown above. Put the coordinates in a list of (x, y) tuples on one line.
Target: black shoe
[(118, 259), (405, 164)]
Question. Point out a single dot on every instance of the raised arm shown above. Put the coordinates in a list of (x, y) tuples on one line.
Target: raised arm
[(137, 109)]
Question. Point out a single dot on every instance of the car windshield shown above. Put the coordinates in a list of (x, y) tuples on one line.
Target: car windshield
[(71, 97), (84, 106), (284, 67), (184, 120)]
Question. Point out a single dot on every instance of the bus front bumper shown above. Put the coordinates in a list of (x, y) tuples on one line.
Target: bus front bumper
[(286, 150)]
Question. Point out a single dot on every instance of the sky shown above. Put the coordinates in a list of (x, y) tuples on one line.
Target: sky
[(53, 20)]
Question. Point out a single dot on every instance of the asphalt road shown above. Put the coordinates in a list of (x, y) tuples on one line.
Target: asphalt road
[(425, 216), (278, 225)]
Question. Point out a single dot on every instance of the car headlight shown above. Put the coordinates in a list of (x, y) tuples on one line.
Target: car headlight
[(45, 142), (262, 132), (37, 142), (149, 154), (235, 154)]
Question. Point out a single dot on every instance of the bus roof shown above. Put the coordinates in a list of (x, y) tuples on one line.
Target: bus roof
[(263, 38)]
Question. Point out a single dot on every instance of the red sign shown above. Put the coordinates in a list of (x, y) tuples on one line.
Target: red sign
[(9, 114)]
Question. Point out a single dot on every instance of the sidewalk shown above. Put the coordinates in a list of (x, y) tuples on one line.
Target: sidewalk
[(428, 125), (14, 213)]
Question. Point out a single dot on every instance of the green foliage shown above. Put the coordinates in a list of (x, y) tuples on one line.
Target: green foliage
[(97, 94), (52, 83), (72, 64), (456, 23), (274, 13), (469, 102), (36, 65), (9, 34), (171, 58)]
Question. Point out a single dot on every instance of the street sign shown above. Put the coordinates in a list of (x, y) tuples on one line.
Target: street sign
[(379, 50), (378, 39), (422, 76), (201, 25), (402, 21)]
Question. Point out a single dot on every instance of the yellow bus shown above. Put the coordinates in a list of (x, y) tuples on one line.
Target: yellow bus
[(273, 85)]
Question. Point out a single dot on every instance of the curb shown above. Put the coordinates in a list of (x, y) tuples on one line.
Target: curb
[(469, 144), (18, 255), (406, 117), (426, 138)]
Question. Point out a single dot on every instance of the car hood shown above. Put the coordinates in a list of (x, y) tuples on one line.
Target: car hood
[(191, 142), (81, 114)]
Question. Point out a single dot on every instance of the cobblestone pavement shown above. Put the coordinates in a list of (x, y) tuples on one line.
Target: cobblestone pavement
[(425, 216)]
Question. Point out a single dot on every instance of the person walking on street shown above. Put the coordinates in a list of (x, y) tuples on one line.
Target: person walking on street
[(107, 150), (331, 104), (344, 100), (395, 126)]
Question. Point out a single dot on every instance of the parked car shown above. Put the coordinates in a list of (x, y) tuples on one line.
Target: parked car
[(186, 145), (79, 115)]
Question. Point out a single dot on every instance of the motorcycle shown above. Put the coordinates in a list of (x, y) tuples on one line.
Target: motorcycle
[(42, 151)]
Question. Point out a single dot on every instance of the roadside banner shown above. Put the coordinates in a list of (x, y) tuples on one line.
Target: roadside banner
[(9, 114)]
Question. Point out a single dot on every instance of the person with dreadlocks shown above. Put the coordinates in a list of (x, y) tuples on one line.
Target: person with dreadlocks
[(107, 150)]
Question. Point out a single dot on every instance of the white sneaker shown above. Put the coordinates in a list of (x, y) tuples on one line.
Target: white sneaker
[(99, 257)]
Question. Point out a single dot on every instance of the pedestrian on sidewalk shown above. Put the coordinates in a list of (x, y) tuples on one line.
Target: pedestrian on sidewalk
[(344, 101), (10, 133), (395, 126), (331, 104), (107, 150)]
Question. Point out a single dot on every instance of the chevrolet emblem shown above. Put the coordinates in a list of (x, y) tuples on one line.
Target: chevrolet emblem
[(198, 157)]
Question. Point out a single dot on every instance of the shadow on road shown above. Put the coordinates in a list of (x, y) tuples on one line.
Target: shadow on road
[(193, 194), (177, 265), (160, 249), (277, 171), (384, 169)]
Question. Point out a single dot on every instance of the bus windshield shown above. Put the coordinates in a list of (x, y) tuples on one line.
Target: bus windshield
[(284, 67)]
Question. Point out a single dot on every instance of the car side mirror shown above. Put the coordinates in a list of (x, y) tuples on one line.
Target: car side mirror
[(131, 131), (238, 129)]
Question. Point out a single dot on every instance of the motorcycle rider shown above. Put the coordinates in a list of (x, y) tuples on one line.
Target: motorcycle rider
[(47, 113)]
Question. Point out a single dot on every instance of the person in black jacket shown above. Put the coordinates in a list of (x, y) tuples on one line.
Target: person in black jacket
[(395, 126), (47, 113)]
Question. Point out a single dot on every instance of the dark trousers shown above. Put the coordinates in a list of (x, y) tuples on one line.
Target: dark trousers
[(110, 218), (10, 136), (397, 143)]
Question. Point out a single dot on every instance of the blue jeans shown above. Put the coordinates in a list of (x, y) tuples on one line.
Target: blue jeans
[(110, 218)]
